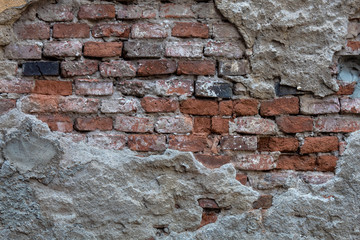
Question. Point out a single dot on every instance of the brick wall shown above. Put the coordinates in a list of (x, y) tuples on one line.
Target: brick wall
[(151, 77)]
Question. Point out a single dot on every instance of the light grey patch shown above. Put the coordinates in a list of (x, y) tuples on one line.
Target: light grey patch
[(293, 40), (29, 152)]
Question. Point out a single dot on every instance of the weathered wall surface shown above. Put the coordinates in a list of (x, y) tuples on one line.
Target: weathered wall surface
[(292, 40), (96, 99)]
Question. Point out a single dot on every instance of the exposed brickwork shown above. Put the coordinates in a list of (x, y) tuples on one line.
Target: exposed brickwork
[(280, 106), (187, 30), (71, 30), (52, 87), (151, 77), (100, 49), (319, 144)]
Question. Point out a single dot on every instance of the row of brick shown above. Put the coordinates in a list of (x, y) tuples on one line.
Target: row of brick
[(144, 30), (59, 12), (130, 69), (265, 162), (184, 124), (62, 49), (252, 162), (198, 107)]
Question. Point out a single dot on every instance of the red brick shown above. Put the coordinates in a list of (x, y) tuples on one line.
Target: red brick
[(79, 68), (354, 45), (239, 143), (19, 51), (191, 143), (254, 162), (184, 49), (55, 13), (175, 87), (92, 124), (199, 107), (121, 30), (148, 30), (107, 141), (48, 87), (120, 69), (311, 105), (223, 49), (152, 105), (71, 30), (103, 49), (326, 163), (190, 30), (220, 125), (178, 124), (97, 11), (202, 125), (296, 162), (207, 218), (295, 124), (60, 123), (212, 161), (346, 88), (205, 67), (208, 203), (37, 30), (6, 105), (263, 202), (226, 108), (281, 144), (119, 105), (40, 104), (79, 104), (280, 106), (350, 105), (245, 107), (16, 85), (254, 125), (242, 178), (336, 124), (156, 67), (63, 49), (319, 144), (93, 87), (171, 10), (145, 143), (134, 124)]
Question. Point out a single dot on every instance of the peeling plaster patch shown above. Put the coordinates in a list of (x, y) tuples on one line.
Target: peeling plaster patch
[(28, 152), (6, 4), (292, 40)]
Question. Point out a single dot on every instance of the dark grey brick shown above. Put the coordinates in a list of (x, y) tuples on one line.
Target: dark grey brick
[(143, 50), (282, 90), (41, 68), (209, 87)]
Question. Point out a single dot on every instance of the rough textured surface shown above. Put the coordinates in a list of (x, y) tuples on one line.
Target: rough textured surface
[(66, 184), (102, 194), (90, 196), (294, 41)]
